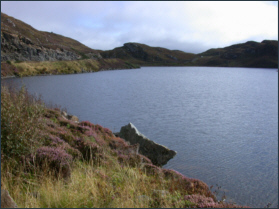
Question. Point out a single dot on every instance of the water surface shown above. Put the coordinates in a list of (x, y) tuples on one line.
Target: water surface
[(223, 122)]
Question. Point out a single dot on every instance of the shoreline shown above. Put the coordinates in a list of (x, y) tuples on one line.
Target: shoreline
[(117, 160), (111, 69), (10, 76), (102, 70), (44, 68)]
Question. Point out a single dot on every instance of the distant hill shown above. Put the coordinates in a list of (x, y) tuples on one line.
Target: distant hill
[(20, 41), (145, 55), (249, 54)]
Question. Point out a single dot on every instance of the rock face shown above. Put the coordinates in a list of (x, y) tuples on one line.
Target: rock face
[(16, 47), (158, 154), (70, 117), (22, 42), (6, 200)]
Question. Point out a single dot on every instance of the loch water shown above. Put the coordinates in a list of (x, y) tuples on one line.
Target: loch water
[(223, 122)]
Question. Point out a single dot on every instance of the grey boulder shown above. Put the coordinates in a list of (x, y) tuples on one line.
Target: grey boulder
[(158, 154)]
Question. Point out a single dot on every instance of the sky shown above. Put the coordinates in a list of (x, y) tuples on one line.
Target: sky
[(190, 26)]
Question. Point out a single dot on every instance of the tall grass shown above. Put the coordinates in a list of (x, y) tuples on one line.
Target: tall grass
[(39, 146), (91, 187), (56, 67), (32, 68), (20, 122)]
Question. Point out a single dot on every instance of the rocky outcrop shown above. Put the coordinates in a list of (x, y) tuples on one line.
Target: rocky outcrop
[(136, 51), (16, 47), (6, 200), (22, 42), (70, 117), (158, 154)]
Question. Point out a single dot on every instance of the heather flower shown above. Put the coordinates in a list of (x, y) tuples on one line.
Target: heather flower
[(56, 156), (88, 148), (83, 129), (108, 132), (86, 124), (173, 174), (152, 169), (117, 143), (201, 201), (54, 140), (99, 140), (89, 132)]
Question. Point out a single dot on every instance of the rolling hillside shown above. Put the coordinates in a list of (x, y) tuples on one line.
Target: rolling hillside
[(249, 54), (145, 55), (20, 41)]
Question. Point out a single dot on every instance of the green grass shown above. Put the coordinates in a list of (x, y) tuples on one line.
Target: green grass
[(20, 120), (61, 67)]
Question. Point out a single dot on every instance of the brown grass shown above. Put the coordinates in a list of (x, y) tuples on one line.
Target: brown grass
[(99, 171), (32, 68), (46, 39)]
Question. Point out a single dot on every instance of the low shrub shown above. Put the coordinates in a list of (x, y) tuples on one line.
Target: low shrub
[(88, 149), (20, 122), (104, 170), (151, 169), (54, 158), (55, 141)]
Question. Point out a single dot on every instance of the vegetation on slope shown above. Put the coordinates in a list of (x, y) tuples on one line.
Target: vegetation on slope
[(50, 40), (49, 161), (21, 42), (31, 68), (145, 55), (249, 54)]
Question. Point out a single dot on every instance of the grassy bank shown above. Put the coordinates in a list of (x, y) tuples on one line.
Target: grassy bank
[(50, 161), (17, 68)]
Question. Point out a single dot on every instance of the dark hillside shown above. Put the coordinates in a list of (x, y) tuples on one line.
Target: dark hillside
[(146, 55), (249, 54), (20, 41)]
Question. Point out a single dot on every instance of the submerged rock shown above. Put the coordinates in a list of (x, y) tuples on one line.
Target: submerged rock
[(158, 154)]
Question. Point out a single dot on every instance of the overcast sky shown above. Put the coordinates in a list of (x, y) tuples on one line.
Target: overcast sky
[(190, 26)]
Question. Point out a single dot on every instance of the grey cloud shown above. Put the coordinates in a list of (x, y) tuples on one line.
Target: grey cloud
[(106, 25)]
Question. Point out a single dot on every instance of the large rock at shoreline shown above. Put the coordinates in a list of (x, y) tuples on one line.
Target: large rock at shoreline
[(158, 154)]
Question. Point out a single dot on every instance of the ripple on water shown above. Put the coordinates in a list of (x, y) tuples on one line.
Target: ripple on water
[(223, 122)]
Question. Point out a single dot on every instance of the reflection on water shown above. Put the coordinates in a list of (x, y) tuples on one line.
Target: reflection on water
[(223, 122)]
